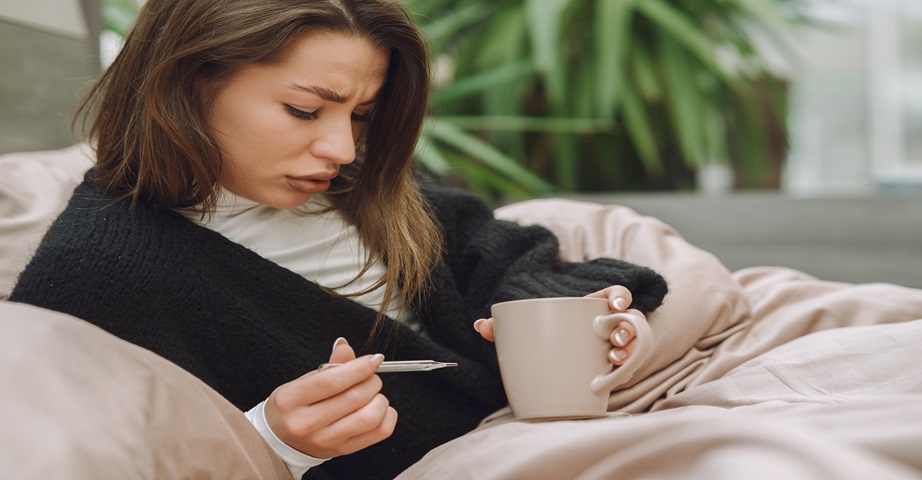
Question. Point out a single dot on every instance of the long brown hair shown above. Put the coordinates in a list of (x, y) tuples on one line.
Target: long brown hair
[(148, 118)]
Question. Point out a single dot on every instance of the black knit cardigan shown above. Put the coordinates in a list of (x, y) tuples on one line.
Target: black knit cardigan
[(245, 325)]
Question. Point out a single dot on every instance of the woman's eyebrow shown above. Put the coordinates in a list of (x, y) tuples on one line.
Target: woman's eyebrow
[(327, 94)]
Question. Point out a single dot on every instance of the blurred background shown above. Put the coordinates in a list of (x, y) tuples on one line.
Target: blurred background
[(783, 132)]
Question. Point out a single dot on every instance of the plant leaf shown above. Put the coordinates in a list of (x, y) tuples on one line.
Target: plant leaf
[(683, 98), (448, 25), (487, 154), (645, 81), (484, 80), (486, 182), (430, 157), (544, 31), (640, 132), (612, 35), (535, 124), (680, 27)]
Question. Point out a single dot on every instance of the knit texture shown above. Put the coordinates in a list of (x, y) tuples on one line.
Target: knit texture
[(245, 325)]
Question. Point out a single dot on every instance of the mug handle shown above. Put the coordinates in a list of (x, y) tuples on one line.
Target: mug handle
[(603, 325)]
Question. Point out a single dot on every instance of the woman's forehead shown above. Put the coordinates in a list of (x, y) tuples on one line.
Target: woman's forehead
[(333, 65), (338, 68)]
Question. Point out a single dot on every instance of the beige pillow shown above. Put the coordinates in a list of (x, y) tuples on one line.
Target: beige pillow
[(80, 403), (34, 189)]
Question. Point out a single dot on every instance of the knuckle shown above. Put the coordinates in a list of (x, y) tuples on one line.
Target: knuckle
[(390, 422), (357, 396), (622, 292), (376, 383), (366, 421), (332, 382), (371, 417), (303, 427), (285, 399)]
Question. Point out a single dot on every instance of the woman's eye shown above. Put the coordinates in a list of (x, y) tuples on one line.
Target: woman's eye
[(301, 113)]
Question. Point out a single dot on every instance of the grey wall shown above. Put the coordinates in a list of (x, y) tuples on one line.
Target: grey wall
[(43, 73), (858, 239)]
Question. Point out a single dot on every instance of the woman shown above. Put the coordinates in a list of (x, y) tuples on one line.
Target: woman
[(253, 203)]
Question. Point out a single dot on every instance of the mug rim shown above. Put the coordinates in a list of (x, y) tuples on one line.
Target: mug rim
[(548, 299)]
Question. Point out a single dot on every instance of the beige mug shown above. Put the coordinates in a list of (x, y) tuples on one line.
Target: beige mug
[(553, 355)]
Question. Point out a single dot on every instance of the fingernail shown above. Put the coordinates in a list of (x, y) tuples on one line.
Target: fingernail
[(622, 337), (377, 358), (619, 303), (617, 354), (339, 341), (477, 325)]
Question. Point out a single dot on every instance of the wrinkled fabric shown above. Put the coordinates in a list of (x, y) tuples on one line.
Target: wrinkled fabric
[(761, 373)]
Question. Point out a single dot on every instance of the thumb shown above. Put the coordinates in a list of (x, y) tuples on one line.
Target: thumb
[(342, 352)]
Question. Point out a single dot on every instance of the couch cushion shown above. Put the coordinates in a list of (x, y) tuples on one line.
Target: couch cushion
[(34, 189), (80, 403)]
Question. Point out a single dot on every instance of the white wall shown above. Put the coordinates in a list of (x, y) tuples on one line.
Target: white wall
[(60, 16), (853, 124)]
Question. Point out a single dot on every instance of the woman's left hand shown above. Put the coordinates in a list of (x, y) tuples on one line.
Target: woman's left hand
[(622, 337)]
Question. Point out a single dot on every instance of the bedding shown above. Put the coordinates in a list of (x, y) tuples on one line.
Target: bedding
[(759, 373)]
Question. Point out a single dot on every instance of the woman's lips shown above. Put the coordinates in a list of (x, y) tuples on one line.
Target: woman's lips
[(308, 185)]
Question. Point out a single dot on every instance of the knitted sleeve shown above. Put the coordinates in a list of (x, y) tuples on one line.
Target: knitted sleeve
[(492, 260)]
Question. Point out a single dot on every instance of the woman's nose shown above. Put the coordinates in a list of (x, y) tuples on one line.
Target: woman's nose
[(335, 142)]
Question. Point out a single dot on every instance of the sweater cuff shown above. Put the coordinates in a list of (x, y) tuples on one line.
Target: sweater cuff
[(298, 463)]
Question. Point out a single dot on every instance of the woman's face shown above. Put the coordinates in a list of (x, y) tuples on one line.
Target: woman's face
[(285, 128)]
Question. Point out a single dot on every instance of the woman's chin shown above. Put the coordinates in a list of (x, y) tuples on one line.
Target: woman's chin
[(289, 201)]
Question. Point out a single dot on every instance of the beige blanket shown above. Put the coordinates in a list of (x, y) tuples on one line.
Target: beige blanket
[(762, 373)]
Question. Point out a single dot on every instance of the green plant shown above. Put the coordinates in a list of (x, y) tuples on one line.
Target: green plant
[(535, 95), (118, 15)]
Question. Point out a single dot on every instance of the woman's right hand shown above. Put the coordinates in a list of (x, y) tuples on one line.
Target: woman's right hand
[(333, 412)]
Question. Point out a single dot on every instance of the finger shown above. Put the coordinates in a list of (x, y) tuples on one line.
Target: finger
[(300, 425), (342, 351), (363, 440), (634, 311), (618, 355), (384, 430), (366, 422), (317, 386), (347, 402), (622, 334), (296, 410), (485, 327), (619, 298)]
